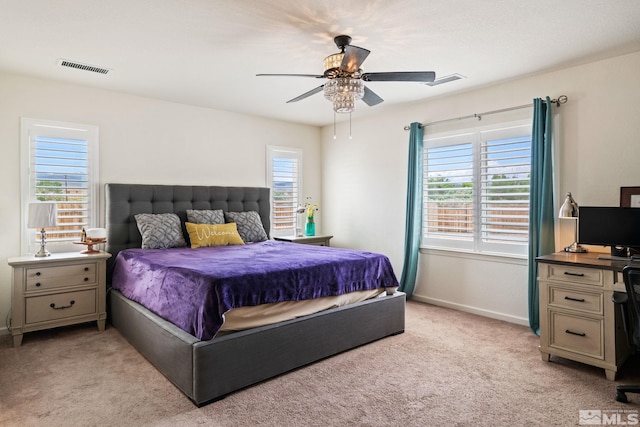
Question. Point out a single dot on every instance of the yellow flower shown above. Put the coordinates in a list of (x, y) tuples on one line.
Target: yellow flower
[(311, 208)]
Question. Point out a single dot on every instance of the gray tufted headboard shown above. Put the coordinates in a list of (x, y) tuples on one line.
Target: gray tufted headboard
[(123, 201)]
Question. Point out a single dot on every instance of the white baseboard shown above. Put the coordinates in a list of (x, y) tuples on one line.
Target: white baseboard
[(474, 310)]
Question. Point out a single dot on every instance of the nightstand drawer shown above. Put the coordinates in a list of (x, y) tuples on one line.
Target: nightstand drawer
[(586, 276), (58, 306), (56, 277), (590, 302), (576, 334)]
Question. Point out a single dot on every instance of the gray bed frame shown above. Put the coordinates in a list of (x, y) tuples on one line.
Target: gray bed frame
[(208, 370)]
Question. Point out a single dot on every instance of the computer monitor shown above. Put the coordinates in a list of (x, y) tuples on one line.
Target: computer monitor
[(609, 226)]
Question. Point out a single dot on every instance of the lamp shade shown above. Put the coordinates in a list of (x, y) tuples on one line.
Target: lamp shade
[(42, 215), (569, 208)]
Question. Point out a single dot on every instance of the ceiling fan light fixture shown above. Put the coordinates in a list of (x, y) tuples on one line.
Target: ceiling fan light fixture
[(332, 63), (343, 92), (344, 103)]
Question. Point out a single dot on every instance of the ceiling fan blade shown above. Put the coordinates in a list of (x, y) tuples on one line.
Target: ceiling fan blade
[(400, 76), (291, 75), (307, 94), (354, 56), (370, 98)]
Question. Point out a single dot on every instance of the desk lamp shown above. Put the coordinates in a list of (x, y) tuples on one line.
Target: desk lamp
[(569, 210), (43, 215)]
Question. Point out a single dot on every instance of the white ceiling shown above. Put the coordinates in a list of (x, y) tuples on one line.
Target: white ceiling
[(207, 52)]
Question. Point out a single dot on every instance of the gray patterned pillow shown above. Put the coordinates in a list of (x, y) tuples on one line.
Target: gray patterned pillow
[(249, 225), (160, 230), (205, 216)]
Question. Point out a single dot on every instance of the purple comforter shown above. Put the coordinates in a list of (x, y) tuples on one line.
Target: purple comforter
[(193, 288)]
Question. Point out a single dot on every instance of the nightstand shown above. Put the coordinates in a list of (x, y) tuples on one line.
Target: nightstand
[(306, 240), (58, 290)]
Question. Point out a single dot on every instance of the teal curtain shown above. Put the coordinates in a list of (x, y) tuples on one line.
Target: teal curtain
[(541, 212), (413, 224)]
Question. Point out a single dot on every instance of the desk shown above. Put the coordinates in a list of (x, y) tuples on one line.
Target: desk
[(578, 320)]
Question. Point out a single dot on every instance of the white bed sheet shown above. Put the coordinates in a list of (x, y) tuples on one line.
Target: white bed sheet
[(266, 314)]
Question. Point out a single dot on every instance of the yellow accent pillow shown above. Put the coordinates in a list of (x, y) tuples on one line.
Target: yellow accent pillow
[(213, 234)]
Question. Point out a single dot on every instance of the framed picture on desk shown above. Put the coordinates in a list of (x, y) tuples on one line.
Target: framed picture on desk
[(630, 197)]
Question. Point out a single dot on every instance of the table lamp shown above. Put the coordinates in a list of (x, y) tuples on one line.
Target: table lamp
[(43, 215), (569, 210)]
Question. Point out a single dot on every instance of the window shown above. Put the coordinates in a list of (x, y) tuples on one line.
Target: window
[(476, 189), (284, 178), (59, 163)]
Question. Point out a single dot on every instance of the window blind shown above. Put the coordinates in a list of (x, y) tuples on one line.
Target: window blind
[(506, 166), (285, 193), (284, 178), (476, 190), (448, 191), (60, 173)]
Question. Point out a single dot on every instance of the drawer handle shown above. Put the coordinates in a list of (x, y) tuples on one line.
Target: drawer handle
[(580, 334), (574, 299), (568, 273), (38, 285), (86, 269), (37, 273), (62, 307), (86, 279)]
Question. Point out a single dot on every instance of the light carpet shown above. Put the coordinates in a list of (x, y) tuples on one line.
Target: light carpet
[(449, 368)]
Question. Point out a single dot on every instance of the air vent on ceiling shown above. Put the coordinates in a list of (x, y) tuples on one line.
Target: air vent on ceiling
[(80, 66), (445, 79)]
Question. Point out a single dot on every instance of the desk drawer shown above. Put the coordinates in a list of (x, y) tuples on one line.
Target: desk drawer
[(564, 273), (56, 277), (59, 306), (577, 334), (589, 302)]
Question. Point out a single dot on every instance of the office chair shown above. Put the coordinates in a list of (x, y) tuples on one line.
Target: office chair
[(631, 275)]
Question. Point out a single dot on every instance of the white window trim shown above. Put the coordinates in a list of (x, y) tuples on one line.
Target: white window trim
[(473, 245), (28, 128), (274, 151)]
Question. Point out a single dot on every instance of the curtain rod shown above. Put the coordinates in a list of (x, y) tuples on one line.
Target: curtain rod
[(562, 99)]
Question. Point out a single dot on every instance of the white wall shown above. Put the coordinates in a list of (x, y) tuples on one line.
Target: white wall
[(142, 141), (364, 179)]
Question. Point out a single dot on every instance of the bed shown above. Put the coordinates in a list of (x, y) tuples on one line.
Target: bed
[(206, 366)]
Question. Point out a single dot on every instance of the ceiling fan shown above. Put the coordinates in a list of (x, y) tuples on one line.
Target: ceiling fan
[(346, 79)]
